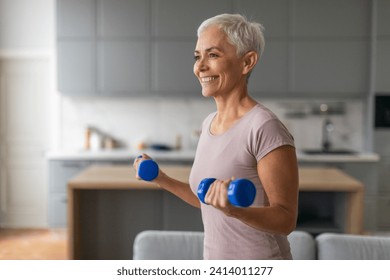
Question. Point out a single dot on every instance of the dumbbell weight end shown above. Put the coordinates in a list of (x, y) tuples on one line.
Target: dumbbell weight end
[(204, 187), (148, 170), (241, 192)]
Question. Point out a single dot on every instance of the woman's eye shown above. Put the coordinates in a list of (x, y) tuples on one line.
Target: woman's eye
[(213, 55), (196, 57)]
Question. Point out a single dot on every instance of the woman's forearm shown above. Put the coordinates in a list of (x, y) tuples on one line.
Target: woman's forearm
[(178, 188), (274, 219)]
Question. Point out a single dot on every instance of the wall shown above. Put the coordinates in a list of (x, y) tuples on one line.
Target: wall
[(26, 26), (161, 120)]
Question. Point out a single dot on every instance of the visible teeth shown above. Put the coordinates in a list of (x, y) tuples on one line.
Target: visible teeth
[(208, 79)]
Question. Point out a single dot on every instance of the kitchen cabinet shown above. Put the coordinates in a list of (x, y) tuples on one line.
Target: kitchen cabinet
[(76, 18), (330, 58), (382, 147), (104, 51), (384, 194), (306, 55), (173, 44), (318, 75), (122, 67), (59, 174), (383, 203), (76, 49), (180, 74), (117, 48), (62, 170), (138, 48), (77, 67), (365, 172), (168, 24), (122, 19), (382, 62), (272, 74), (102, 47)]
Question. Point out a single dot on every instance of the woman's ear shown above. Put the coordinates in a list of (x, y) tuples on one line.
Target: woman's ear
[(250, 60)]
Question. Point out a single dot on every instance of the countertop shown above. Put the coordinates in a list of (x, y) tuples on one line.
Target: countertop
[(121, 177), (121, 154), (188, 155), (358, 157)]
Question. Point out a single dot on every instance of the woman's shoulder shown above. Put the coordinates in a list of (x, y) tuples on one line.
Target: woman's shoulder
[(260, 115)]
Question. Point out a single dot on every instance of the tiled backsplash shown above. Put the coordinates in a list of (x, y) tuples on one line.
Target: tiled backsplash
[(160, 121)]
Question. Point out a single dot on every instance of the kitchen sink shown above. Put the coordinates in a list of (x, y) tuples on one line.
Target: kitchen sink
[(329, 152)]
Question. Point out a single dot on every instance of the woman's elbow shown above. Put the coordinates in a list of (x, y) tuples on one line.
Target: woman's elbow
[(290, 227), (290, 223)]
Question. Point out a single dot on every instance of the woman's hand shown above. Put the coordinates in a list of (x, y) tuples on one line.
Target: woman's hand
[(217, 195), (180, 189), (137, 161)]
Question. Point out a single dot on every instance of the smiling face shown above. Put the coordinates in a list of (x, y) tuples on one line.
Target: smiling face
[(219, 70)]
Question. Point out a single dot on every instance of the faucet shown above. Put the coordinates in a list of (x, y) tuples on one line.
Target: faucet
[(327, 128)]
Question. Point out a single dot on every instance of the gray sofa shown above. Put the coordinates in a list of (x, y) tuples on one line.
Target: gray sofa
[(188, 245)]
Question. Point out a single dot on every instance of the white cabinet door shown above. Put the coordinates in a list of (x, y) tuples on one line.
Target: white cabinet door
[(24, 87)]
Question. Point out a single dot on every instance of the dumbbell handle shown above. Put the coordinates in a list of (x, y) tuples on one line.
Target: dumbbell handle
[(241, 192), (147, 169)]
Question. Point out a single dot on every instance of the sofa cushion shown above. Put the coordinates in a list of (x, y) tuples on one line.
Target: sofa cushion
[(188, 245), (168, 245), (334, 246), (302, 245)]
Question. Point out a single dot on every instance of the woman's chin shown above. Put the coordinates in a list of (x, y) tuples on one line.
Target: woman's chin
[(206, 93)]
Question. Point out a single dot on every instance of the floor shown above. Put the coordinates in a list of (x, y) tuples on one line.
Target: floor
[(33, 244)]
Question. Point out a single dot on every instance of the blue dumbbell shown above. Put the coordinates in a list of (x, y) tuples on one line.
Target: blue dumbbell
[(147, 169), (241, 192)]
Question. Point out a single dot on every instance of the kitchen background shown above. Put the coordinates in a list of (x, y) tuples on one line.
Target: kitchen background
[(125, 68)]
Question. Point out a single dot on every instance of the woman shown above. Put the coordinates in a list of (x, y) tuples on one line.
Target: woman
[(242, 139)]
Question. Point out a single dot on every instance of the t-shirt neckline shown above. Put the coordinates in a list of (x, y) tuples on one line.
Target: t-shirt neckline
[(233, 126)]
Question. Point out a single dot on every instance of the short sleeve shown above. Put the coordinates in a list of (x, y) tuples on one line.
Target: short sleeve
[(269, 136)]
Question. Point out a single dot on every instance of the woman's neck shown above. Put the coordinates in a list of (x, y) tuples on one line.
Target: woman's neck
[(229, 111), (233, 107)]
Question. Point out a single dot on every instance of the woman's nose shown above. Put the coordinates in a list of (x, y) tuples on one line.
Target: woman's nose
[(201, 65)]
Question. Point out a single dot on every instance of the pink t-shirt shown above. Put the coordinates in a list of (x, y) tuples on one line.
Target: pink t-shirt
[(236, 153)]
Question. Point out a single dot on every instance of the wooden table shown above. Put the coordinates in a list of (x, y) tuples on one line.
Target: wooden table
[(334, 180), (122, 178)]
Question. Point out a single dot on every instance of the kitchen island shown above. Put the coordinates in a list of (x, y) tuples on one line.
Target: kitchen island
[(108, 207)]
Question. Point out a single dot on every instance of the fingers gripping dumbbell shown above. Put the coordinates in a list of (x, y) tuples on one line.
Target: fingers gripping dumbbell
[(147, 169), (241, 192)]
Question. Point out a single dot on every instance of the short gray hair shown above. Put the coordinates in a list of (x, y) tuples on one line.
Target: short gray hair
[(244, 35)]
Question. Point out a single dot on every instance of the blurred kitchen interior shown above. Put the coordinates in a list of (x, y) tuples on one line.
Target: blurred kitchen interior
[(120, 73)]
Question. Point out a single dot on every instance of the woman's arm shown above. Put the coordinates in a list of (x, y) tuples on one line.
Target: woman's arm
[(178, 188), (278, 172)]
